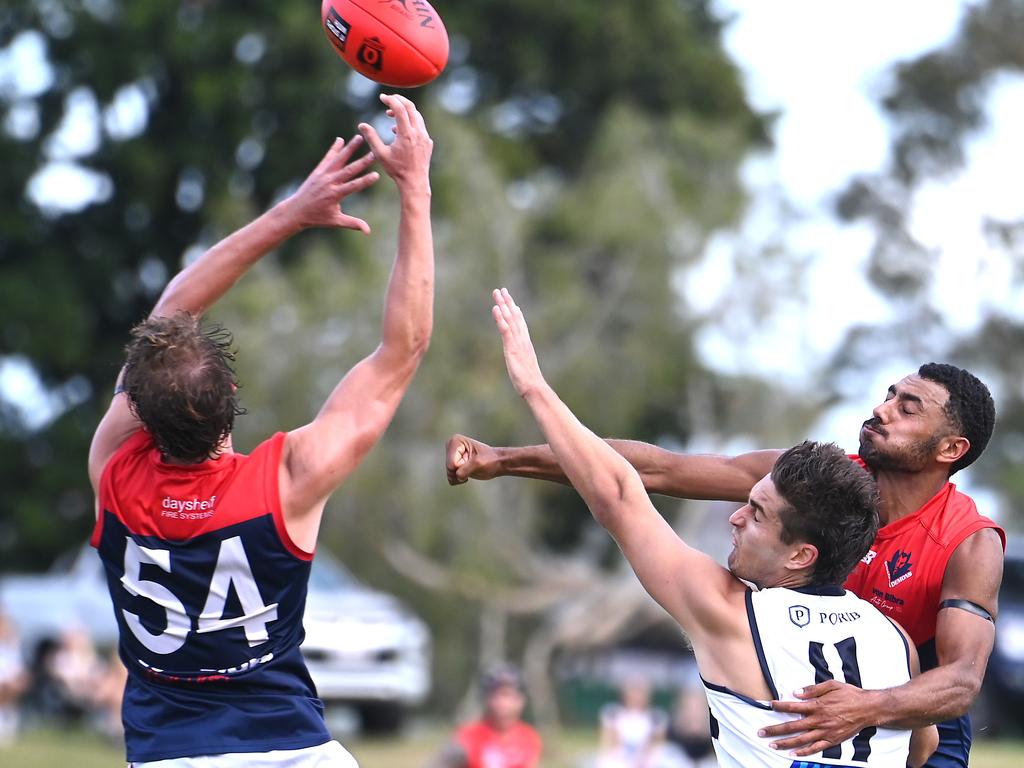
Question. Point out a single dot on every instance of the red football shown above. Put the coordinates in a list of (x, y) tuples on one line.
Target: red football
[(401, 43)]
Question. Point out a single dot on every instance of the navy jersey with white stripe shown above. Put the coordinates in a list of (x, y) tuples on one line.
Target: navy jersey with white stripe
[(209, 594), (802, 637)]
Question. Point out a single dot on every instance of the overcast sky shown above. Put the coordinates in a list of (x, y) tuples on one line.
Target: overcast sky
[(823, 66)]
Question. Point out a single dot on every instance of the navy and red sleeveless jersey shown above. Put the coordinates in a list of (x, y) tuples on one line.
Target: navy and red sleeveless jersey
[(902, 576), (209, 593)]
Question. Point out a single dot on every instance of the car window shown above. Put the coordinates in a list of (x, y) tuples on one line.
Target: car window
[(1013, 576), (328, 575)]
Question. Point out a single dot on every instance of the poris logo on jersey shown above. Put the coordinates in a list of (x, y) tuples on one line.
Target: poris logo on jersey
[(799, 615), (898, 567)]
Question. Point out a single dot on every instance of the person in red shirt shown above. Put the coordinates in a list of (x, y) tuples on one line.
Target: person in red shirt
[(934, 567), (499, 739)]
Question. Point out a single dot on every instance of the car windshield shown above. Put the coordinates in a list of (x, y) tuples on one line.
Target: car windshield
[(329, 575)]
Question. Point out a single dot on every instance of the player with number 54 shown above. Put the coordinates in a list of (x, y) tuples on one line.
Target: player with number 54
[(207, 551)]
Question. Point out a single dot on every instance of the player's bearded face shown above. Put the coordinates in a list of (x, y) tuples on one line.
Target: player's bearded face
[(884, 451)]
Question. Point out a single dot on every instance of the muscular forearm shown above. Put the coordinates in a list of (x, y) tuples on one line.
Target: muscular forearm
[(939, 694), (409, 302), (673, 474), (696, 475), (536, 462), (199, 285)]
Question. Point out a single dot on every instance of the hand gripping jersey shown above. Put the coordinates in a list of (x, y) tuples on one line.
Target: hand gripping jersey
[(487, 747), (209, 593), (902, 576), (802, 637)]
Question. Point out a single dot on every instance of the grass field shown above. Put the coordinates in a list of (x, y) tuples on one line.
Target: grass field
[(53, 749)]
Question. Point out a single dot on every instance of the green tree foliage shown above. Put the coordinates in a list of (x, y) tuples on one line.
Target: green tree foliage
[(584, 153), (937, 105), (232, 102)]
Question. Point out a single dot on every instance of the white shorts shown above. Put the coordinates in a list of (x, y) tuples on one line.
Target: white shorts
[(329, 755)]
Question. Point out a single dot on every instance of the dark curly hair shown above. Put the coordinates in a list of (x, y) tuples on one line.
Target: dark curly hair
[(181, 386), (830, 502), (970, 409)]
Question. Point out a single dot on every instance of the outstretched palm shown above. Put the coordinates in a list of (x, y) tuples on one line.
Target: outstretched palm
[(520, 356)]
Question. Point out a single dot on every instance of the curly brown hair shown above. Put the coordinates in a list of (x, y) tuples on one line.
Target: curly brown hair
[(181, 386)]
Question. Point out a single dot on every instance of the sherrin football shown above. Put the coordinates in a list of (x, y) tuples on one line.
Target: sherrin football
[(401, 43)]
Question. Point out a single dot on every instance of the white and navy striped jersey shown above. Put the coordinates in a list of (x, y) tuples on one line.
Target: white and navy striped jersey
[(802, 637)]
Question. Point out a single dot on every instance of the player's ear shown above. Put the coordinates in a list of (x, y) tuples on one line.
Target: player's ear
[(952, 448), (803, 557)]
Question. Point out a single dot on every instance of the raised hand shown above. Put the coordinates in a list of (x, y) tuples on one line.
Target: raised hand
[(317, 202), (520, 356), (407, 158)]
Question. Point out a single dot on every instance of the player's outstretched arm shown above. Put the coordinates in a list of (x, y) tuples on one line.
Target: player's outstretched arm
[(686, 476), (695, 590), (319, 456), (317, 203), (832, 711)]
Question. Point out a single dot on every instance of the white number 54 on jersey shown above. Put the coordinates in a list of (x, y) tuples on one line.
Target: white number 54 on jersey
[(232, 569)]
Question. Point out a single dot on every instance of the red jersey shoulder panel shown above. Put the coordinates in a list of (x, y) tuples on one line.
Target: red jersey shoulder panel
[(903, 571), (176, 503)]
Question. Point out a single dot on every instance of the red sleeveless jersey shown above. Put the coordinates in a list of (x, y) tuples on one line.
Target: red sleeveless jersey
[(209, 594), (902, 572), (487, 747)]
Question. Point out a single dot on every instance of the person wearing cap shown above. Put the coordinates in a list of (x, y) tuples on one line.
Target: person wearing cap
[(499, 738)]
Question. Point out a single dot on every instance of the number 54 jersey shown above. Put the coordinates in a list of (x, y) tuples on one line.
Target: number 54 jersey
[(802, 637), (209, 594)]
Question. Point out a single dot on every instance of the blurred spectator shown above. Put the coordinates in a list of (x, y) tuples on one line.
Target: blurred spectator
[(688, 741), (499, 739), (632, 731), (71, 685), (13, 680), (107, 698), (45, 698), (78, 671)]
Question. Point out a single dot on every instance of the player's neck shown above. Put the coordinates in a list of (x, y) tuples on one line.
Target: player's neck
[(224, 449), (904, 493)]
